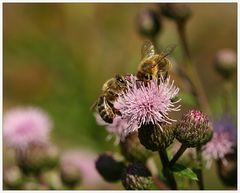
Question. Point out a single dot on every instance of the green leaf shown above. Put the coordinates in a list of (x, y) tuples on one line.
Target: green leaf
[(181, 170), (188, 98)]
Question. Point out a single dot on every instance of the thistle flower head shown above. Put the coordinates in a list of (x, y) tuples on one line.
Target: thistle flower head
[(23, 126), (144, 104), (154, 138), (136, 177), (194, 129), (37, 157), (223, 141)]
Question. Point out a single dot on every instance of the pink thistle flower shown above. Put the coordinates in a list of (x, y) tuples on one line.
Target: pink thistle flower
[(117, 128), (143, 104), (84, 162), (23, 126), (222, 143)]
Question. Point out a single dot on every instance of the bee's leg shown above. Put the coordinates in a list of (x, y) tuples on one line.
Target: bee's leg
[(165, 75), (117, 112), (159, 77)]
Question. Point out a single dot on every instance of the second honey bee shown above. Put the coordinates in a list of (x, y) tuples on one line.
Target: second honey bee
[(111, 90), (153, 64)]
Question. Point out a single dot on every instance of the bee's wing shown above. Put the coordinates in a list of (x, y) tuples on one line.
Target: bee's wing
[(147, 49), (168, 50)]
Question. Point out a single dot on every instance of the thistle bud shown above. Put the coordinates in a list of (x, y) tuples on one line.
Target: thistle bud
[(148, 23), (52, 179), (109, 168), (225, 62), (31, 186), (31, 183), (176, 11), (51, 156), (32, 160), (194, 129), (12, 177), (133, 150), (136, 177), (227, 169), (70, 175), (38, 157), (155, 138)]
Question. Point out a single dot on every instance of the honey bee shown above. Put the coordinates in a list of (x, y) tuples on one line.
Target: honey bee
[(111, 90), (153, 64)]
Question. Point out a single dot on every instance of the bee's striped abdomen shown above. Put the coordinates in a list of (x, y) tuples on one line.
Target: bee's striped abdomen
[(105, 110)]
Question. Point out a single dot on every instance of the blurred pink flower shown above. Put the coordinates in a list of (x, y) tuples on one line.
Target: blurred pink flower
[(147, 104), (84, 162), (23, 126), (223, 141)]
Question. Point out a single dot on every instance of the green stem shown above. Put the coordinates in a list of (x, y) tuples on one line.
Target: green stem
[(177, 155), (199, 171), (167, 173)]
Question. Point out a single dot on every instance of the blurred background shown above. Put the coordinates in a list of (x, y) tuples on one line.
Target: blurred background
[(57, 56)]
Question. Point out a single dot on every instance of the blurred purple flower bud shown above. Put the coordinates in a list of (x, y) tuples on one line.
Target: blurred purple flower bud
[(109, 168)]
